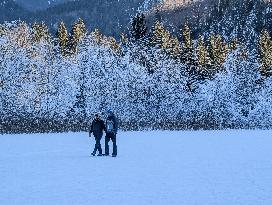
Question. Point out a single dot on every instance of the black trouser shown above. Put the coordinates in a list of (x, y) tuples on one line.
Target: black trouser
[(112, 137), (98, 138)]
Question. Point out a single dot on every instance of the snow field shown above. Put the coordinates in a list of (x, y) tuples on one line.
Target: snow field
[(157, 167)]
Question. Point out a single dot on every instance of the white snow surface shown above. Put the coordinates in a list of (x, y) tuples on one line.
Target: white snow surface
[(156, 167)]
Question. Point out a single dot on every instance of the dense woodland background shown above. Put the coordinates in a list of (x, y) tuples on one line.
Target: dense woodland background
[(198, 65)]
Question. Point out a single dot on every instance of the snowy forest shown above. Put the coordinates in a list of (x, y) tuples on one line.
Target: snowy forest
[(214, 74)]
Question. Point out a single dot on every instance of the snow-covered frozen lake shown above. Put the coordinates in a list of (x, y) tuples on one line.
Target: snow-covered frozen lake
[(160, 168)]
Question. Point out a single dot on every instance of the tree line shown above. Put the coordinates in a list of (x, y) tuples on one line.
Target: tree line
[(151, 77)]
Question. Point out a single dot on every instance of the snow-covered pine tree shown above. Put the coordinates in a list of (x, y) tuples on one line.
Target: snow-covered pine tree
[(2, 30), (40, 32), (105, 77), (123, 43), (96, 36), (63, 38), (160, 36), (79, 30), (174, 48), (188, 58), (112, 44), (204, 64), (162, 39), (265, 48), (244, 73), (218, 51), (138, 27), (80, 104), (15, 45), (123, 39), (139, 47), (201, 51), (187, 41)]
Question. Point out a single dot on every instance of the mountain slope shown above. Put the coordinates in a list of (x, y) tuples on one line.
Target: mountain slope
[(32, 5), (110, 16), (176, 12), (226, 17), (9, 11)]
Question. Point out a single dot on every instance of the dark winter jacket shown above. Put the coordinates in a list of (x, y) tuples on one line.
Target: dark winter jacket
[(111, 120), (97, 127)]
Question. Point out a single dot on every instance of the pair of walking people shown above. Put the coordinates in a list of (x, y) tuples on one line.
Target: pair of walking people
[(110, 127)]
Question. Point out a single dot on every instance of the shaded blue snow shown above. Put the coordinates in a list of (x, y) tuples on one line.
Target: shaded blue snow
[(190, 168)]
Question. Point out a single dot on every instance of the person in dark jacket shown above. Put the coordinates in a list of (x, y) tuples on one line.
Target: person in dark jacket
[(111, 131), (97, 128)]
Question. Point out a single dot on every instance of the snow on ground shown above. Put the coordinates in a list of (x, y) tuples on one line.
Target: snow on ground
[(177, 168)]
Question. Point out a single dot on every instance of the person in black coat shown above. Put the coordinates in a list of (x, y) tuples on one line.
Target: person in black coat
[(97, 128), (111, 131)]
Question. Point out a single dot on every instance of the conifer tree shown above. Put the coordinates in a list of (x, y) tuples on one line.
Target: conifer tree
[(203, 60), (21, 35), (187, 47), (97, 36), (124, 43), (138, 27), (161, 38), (63, 38), (188, 57), (175, 49), (112, 44), (123, 39), (245, 78), (78, 31), (2, 30), (186, 33), (40, 31), (218, 51), (265, 45), (201, 52)]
